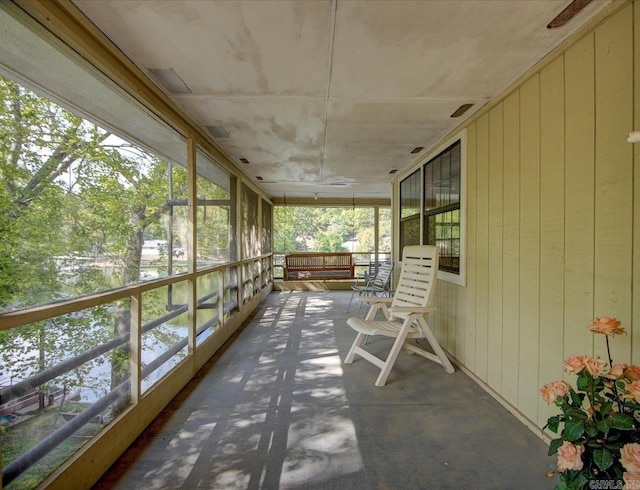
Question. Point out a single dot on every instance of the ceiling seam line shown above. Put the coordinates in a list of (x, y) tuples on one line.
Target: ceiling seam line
[(328, 91)]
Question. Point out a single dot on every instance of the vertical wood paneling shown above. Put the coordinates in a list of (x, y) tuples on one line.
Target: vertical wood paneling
[(511, 250), (452, 316), (579, 204), (440, 327), (553, 219), (461, 294), (470, 294), (551, 228), (496, 156), (635, 311), (529, 246), (482, 246), (613, 174)]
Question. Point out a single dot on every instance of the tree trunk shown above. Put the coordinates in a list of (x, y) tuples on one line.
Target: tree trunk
[(120, 371)]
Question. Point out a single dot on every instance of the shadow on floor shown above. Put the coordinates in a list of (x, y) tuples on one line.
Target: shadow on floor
[(277, 408)]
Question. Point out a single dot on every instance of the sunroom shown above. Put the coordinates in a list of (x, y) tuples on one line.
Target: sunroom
[(151, 149)]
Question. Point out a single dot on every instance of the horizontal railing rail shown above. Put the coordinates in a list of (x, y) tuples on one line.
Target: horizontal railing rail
[(22, 387), (17, 318)]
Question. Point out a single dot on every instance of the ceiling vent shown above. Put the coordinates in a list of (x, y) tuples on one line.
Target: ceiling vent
[(170, 80), (217, 132), (568, 13), (461, 110)]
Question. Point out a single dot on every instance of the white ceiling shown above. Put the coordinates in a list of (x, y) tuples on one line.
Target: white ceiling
[(328, 96)]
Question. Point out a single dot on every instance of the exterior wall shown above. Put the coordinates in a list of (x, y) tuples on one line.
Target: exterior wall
[(553, 206)]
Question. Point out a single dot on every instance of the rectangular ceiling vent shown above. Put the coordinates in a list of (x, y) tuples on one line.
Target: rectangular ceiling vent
[(170, 80), (461, 110), (217, 131), (568, 13)]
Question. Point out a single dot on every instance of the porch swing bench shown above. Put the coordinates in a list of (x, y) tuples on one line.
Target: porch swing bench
[(318, 266)]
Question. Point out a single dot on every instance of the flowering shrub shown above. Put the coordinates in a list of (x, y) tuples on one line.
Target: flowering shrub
[(600, 437)]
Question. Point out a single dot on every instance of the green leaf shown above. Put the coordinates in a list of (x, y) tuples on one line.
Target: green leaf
[(580, 481), (603, 458), (606, 407), (554, 445), (591, 430), (584, 381), (553, 423), (621, 421), (604, 425), (632, 406), (577, 398), (573, 429), (577, 413)]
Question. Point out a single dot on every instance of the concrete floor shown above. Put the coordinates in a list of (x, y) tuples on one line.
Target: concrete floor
[(277, 408)]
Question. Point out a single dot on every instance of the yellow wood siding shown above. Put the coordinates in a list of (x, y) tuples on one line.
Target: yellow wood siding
[(635, 336), (579, 186), (613, 174), (529, 246), (552, 222), (470, 296), (482, 246), (553, 217), (511, 249), (494, 272)]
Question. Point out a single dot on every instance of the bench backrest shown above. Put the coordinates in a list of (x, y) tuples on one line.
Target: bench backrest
[(328, 260), (322, 265)]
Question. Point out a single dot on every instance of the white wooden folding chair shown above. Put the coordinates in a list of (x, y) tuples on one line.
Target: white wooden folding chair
[(405, 317)]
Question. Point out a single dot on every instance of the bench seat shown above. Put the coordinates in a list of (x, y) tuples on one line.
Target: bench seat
[(318, 266)]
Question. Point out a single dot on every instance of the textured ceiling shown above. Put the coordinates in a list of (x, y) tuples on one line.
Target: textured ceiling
[(328, 96)]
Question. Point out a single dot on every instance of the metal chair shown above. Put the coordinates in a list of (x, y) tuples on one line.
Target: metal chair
[(376, 283)]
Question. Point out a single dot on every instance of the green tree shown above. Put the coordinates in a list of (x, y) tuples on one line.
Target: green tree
[(329, 242), (68, 190)]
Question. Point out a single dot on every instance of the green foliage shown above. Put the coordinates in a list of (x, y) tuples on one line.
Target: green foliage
[(326, 229), (27, 434), (75, 204)]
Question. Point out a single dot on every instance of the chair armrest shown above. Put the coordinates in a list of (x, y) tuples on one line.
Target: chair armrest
[(412, 309), (375, 299)]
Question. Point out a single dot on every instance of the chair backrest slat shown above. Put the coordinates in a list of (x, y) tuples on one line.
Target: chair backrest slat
[(382, 277), (417, 277)]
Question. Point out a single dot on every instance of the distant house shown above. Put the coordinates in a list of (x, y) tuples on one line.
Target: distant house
[(153, 249)]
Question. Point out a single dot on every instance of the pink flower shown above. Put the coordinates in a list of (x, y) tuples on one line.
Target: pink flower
[(595, 367), (574, 364), (632, 373), (633, 393), (630, 457), (632, 481), (616, 371), (554, 390), (607, 326), (570, 457)]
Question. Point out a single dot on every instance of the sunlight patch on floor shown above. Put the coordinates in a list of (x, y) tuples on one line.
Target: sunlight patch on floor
[(318, 449), (187, 442)]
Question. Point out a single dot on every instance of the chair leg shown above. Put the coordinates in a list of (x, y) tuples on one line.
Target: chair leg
[(435, 345), (356, 343), (393, 355), (359, 308), (351, 300)]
